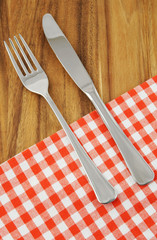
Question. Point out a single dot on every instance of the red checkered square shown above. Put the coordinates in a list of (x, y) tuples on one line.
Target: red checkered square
[(74, 230), (63, 151), (36, 233), (27, 154), (55, 137), (41, 145), (25, 217), (13, 162), (21, 177), (7, 186), (10, 226)]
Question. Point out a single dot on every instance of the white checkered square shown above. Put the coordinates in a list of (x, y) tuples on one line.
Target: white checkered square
[(101, 138), (23, 230), (127, 204), (148, 129), (136, 136), (155, 141), (65, 141), (24, 166), (130, 181), (90, 208), (92, 125), (98, 161), (148, 234), (76, 217), (66, 202), (100, 223), (108, 174), (47, 172), (8, 237), (10, 174), (61, 163), (110, 237), (42, 196), (48, 235), (33, 181), (1, 224), (74, 155), (119, 189), (120, 166), (80, 192), (38, 157), (139, 115), (72, 238), (130, 102), (38, 221), (151, 107), (154, 87), (124, 229), (57, 186), (137, 219), (111, 153), (79, 133), (62, 227), (88, 146), (153, 186), (150, 210), (127, 123), (52, 211), (140, 195), (52, 149), (4, 199), (146, 150), (19, 190), (142, 94), (13, 214), (28, 205), (117, 110), (86, 232), (113, 213), (154, 163), (71, 178)]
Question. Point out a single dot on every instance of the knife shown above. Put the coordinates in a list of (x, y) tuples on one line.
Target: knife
[(140, 170)]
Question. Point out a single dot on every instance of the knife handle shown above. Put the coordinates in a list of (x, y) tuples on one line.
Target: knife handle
[(104, 191), (138, 167)]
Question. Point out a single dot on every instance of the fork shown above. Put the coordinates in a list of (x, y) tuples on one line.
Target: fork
[(36, 81)]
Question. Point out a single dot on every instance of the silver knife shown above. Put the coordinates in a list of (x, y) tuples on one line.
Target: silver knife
[(140, 170)]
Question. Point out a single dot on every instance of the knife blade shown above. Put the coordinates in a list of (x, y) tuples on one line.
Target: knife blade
[(62, 49), (140, 170)]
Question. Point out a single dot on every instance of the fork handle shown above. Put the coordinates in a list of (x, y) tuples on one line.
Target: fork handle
[(103, 190), (138, 167)]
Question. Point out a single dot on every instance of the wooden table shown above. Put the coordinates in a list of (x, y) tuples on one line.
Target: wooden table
[(116, 41)]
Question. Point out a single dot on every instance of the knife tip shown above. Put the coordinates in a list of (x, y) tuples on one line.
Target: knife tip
[(46, 16), (50, 27)]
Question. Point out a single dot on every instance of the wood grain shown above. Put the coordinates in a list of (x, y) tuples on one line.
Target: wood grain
[(115, 39)]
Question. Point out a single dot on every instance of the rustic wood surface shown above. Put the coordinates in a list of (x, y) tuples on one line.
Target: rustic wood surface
[(116, 41)]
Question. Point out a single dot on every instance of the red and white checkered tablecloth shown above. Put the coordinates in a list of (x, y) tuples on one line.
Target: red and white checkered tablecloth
[(44, 193)]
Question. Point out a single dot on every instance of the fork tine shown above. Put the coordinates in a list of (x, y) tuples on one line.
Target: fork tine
[(30, 53), (23, 54), (18, 56), (13, 61)]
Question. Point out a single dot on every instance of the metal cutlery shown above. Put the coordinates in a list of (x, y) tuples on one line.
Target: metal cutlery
[(36, 81), (140, 170)]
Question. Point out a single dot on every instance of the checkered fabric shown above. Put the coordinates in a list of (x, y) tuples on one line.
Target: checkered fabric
[(44, 193)]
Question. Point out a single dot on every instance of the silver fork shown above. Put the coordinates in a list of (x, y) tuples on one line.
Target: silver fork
[(36, 81)]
